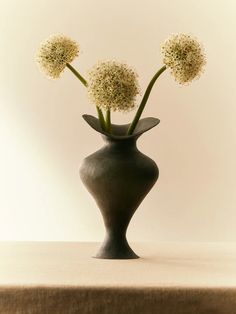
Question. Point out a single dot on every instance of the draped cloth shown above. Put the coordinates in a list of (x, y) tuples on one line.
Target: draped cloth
[(64, 278)]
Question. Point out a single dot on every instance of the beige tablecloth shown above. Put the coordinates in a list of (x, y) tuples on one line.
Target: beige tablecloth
[(169, 278)]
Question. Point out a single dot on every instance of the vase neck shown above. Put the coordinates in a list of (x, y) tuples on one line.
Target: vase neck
[(124, 144)]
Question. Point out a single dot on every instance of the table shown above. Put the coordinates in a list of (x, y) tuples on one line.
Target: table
[(169, 278)]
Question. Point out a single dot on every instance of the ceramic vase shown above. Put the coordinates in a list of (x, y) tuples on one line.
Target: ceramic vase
[(118, 176)]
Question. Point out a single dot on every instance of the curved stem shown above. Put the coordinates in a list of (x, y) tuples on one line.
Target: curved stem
[(77, 74), (108, 121), (85, 83), (144, 100)]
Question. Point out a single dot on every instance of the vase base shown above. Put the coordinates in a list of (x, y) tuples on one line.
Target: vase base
[(109, 251), (115, 256)]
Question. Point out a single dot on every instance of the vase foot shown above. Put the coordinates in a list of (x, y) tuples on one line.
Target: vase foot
[(116, 250)]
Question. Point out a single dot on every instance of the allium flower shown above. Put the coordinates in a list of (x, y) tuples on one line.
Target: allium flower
[(113, 85), (55, 53), (184, 56)]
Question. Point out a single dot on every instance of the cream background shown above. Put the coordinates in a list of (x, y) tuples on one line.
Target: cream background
[(43, 137)]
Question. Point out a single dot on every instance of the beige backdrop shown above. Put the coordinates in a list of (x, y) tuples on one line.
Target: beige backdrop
[(43, 137)]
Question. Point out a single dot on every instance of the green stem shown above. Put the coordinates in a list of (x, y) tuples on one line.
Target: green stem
[(84, 82), (108, 121), (101, 119), (76, 73), (144, 101)]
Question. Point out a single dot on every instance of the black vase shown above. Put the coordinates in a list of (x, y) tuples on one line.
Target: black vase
[(119, 177)]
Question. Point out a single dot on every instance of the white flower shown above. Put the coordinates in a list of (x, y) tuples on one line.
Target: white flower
[(113, 85), (184, 56), (55, 53)]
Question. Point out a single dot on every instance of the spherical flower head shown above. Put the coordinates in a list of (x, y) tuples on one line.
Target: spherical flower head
[(113, 85), (54, 53), (184, 55)]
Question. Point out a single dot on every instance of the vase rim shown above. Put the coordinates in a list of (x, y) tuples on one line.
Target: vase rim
[(120, 130)]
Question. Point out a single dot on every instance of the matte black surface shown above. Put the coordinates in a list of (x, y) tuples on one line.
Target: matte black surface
[(119, 177)]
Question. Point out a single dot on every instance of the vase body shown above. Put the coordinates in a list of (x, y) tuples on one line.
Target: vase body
[(119, 177)]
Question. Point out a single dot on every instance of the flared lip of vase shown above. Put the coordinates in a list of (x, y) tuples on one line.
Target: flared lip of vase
[(119, 131)]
